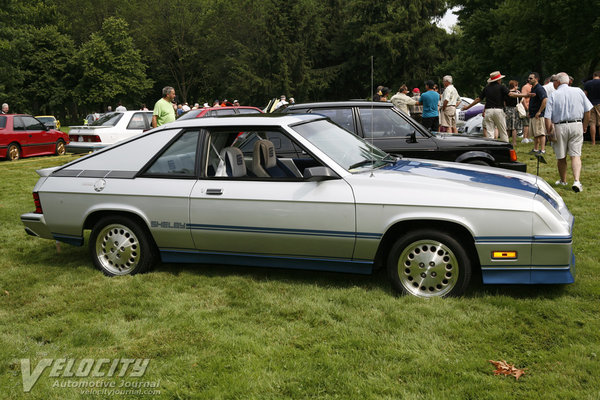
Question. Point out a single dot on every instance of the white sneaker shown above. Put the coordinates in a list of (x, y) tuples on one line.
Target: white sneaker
[(561, 183), (577, 187)]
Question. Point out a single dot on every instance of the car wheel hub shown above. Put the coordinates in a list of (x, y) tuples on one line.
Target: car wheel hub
[(13, 153), (428, 268), (118, 249)]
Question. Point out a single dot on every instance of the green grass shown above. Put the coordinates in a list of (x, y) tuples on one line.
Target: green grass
[(232, 332)]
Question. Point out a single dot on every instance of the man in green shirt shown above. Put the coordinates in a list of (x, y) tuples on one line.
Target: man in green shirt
[(163, 109)]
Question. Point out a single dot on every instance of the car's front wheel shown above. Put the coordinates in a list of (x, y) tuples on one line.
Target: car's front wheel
[(13, 152), (429, 263), (121, 246), (60, 147)]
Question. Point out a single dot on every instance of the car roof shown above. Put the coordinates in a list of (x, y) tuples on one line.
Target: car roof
[(350, 103), (246, 119), (227, 108)]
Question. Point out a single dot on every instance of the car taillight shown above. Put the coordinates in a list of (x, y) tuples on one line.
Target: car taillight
[(513, 155), (95, 138), (37, 202), (73, 138)]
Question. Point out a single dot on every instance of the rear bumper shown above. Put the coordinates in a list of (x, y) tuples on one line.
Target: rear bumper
[(83, 147), (513, 166), (35, 225)]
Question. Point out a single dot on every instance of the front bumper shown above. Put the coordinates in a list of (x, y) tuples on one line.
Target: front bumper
[(540, 261), (84, 147)]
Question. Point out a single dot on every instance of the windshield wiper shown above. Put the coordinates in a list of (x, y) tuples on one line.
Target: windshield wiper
[(387, 159), (361, 163)]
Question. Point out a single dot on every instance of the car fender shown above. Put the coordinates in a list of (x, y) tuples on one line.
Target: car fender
[(93, 214), (471, 155)]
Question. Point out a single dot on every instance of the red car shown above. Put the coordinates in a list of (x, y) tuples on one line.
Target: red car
[(24, 136), (220, 111)]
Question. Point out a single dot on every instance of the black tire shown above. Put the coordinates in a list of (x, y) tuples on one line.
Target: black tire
[(429, 263), (13, 152), (479, 162), (60, 147), (109, 252)]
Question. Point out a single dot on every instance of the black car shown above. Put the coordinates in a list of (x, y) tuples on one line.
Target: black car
[(395, 132)]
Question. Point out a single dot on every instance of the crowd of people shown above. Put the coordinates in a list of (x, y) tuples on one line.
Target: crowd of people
[(554, 111)]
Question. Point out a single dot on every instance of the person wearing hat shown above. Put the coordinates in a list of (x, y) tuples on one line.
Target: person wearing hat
[(494, 116), (402, 101)]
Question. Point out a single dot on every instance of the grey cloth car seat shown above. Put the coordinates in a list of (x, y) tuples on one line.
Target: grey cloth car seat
[(263, 158), (233, 162)]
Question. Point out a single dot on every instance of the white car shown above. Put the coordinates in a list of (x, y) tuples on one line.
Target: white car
[(214, 190), (109, 129)]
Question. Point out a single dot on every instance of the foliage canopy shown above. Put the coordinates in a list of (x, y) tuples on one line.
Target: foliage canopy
[(75, 56)]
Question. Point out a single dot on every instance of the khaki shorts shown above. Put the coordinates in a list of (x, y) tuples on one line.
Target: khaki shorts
[(448, 117), (569, 139), (537, 127), (595, 115)]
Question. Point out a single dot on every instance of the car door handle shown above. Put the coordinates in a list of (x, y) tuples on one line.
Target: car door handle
[(214, 192)]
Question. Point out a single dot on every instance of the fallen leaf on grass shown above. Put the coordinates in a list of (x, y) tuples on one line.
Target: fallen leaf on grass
[(6, 293), (504, 368)]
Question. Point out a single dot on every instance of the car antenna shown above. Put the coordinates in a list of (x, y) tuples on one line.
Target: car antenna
[(540, 159), (372, 117)]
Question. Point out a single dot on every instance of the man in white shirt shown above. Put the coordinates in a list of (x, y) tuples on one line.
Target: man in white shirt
[(402, 101), (120, 107), (549, 86), (567, 114), (450, 100)]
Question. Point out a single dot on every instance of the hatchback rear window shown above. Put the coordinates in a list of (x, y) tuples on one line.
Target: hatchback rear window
[(108, 120)]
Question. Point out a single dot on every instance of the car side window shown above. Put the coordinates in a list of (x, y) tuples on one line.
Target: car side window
[(18, 124), (138, 121), (384, 122), (247, 111), (179, 159), (341, 116), (2, 122), (32, 124), (219, 113), (253, 154)]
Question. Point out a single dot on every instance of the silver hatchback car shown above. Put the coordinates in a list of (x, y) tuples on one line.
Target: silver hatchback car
[(214, 190)]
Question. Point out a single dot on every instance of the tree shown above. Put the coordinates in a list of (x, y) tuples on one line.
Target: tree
[(110, 67)]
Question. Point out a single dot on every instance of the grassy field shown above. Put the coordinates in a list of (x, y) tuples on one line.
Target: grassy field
[(217, 332)]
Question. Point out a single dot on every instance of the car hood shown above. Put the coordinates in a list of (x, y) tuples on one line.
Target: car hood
[(448, 140), (446, 184)]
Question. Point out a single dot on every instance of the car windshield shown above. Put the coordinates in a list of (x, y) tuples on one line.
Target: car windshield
[(108, 120), (346, 149), (190, 114)]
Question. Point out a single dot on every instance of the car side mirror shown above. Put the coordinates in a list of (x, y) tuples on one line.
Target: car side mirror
[(317, 174)]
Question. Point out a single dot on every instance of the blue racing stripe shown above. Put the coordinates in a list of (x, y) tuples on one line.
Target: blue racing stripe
[(284, 231), (459, 174)]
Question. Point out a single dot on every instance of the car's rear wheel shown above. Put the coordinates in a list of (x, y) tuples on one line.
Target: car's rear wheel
[(60, 147), (121, 246), (13, 152), (428, 263)]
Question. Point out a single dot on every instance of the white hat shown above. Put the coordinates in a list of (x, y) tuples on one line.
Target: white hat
[(495, 76)]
